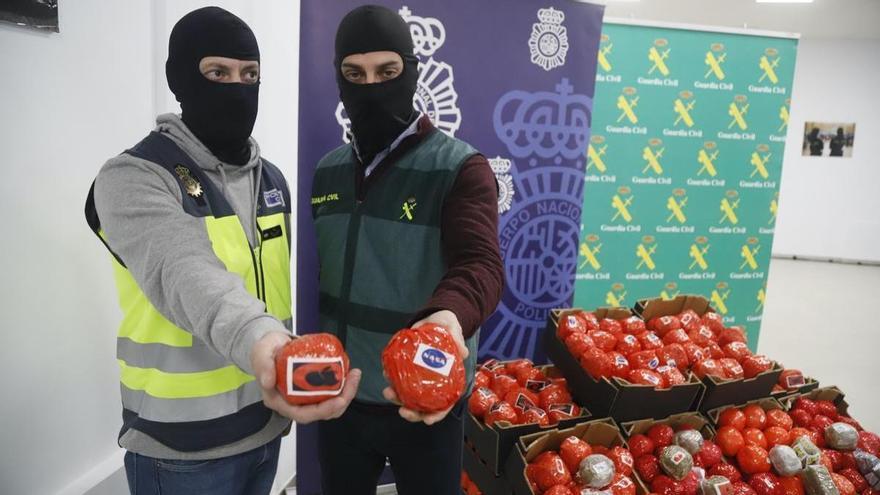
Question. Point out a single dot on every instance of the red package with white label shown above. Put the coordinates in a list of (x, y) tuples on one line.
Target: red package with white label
[(570, 324), (424, 368), (548, 470), (558, 412), (650, 341), (634, 325), (311, 369), (791, 379), (663, 324), (481, 400)]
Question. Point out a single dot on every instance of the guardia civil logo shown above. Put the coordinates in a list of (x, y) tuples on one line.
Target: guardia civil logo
[(620, 203), (548, 43), (758, 161), (604, 57), (748, 252), (596, 154), (658, 55), (714, 60), (738, 109), (627, 103), (683, 107), (676, 204), (644, 253), (768, 63), (616, 295), (707, 157), (698, 252), (670, 291), (719, 297), (729, 205), (652, 153), (589, 251)]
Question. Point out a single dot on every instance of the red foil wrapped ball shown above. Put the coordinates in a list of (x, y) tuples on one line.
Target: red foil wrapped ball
[(311, 369)]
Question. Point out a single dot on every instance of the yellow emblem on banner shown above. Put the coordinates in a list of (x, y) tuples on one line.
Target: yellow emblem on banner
[(676, 206), (627, 103), (759, 160), (774, 208), (761, 297), (590, 249), (604, 52), (621, 203), (658, 54), (714, 59), (784, 116), (748, 253), (698, 251), (738, 109), (652, 155), (729, 205), (616, 296), (719, 297), (768, 66), (595, 155), (644, 252), (707, 158), (683, 110), (670, 292)]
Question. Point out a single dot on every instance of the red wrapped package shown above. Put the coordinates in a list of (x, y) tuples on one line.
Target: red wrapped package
[(501, 411), (311, 369), (736, 350), (844, 486), (424, 368), (650, 341), (709, 367), (800, 417), (732, 416), (482, 379), (663, 324), (710, 454), (827, 408), (501, 384), (512, 367), (578, 343), (701, 335), (766, 483), (640, 445), (480, 401), (755, 365), (732, 368), (559, 490), (553, 394), (671, 376), (805, 404), (623, 460), (756, 417), (628, 343), (648, 467), (714, 351), (742, 488), (729, 471), (619, 365), (674, 355), (634, 325), (521, 399), (534, 415), (569, 324), (590, 319), (780, 418), (791, 485), (855, 478), (677, 336), (597, 363), (791, 379), (694, 353), (526, 375), (664, 485), (661, 435), (644, 360), (548, 470), (573, 450), (690, 320), (622, 485), (753, 459), (714, 322), (646, 377), (605, 341), (558, 412), (732, 334), (611, 326), (869, 442)]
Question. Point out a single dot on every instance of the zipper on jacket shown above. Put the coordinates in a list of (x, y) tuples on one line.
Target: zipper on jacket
[(261, 277), (347, 271)]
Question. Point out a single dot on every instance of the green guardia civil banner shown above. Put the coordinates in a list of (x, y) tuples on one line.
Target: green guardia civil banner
[(683, 168)]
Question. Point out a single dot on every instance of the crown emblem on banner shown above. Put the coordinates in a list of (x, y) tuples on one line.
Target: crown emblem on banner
[(547, 124), (499, 165), (428, 33), (551, 16)]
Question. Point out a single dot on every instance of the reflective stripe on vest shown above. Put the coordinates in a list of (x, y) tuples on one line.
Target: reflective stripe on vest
[(167, 375)]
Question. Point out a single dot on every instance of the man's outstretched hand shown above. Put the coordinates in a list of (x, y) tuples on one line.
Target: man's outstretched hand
[(263, 363)]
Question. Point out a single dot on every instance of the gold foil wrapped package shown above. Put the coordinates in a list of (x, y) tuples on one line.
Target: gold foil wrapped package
[(676, 462), (818, 481), (596, 470)]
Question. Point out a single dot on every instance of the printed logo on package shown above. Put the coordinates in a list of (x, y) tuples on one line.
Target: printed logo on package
[(315, 376), (434, 359), (548, 43), (435, 94), (501, 169), (539, 235)]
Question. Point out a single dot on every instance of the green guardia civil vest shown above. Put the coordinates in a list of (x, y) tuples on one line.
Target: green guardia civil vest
[(381, 258), (174, 387)]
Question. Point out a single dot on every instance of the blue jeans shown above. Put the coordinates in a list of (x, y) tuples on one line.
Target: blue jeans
[(247, 473)]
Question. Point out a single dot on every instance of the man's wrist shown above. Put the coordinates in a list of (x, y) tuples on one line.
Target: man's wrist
[(252, 332)]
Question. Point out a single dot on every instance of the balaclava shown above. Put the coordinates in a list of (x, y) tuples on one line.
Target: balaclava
[(221, 115), (379, 112)]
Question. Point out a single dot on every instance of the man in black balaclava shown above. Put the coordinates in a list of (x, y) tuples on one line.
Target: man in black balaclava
[(196, 221), (837, 143), (407, 226), (816, 143)]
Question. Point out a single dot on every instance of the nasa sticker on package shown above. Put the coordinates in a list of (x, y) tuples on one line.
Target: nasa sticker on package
[(434, 359)]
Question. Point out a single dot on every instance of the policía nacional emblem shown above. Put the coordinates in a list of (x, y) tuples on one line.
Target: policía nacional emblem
[(190, 183), (548, 43), (501, 169)]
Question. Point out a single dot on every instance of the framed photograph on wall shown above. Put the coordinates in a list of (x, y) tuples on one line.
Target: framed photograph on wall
[(35, 14), (832, 139)]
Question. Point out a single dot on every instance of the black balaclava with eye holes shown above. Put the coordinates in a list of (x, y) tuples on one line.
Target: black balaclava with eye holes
[(221, 115), (379, 112)]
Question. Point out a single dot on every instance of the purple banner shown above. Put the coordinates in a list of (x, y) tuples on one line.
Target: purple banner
[(515, 79)]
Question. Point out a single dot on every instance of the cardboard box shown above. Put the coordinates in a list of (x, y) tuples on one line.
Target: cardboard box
[(831, 393), (596, 432), (767, 403), (614, 397), (494, 443), (717, 392), (482, 475), (809, 385)]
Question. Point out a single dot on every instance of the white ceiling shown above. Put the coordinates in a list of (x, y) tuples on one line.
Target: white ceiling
[(841, 19)]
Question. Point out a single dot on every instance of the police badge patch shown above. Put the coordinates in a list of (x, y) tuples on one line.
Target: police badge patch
[(501, 168), (548, 43)]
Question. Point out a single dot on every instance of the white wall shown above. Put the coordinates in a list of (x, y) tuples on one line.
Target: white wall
[(820, 318), (828, 206), (69, 102)]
